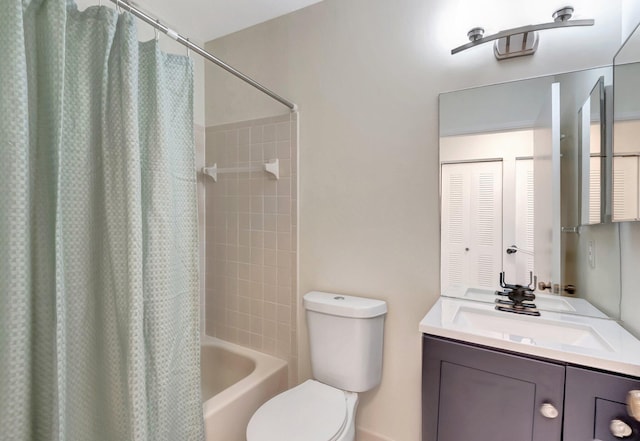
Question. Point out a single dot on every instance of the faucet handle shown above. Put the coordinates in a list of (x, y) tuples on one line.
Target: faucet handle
[(542, 286)]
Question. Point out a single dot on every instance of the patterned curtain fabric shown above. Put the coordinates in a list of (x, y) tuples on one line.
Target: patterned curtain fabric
[(99, 332)]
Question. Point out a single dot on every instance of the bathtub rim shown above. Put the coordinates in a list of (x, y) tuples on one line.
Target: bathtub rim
[(265, 367)]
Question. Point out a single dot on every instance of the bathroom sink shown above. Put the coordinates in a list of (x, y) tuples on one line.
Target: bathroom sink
[(543, 301), (572, 337), (528, 330)]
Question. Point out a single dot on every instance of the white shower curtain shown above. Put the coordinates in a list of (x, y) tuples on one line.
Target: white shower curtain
[(98, 230)]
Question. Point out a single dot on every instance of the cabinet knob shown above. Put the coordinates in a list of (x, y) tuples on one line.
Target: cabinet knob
[(619, 428), (633, 404), (548, 410)]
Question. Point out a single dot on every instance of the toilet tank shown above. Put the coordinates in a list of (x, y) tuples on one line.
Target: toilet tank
[(345, 337)]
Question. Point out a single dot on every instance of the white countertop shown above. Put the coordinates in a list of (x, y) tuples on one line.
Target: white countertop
[(605, 345)]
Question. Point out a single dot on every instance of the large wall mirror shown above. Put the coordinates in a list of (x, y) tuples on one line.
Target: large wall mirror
[(626, 131), (515, 168)]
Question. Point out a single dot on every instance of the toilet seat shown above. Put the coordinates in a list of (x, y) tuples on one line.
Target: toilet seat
[(311, 411)]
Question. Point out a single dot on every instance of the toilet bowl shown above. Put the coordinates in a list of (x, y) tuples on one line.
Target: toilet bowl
[(345, 342), (311, 411)]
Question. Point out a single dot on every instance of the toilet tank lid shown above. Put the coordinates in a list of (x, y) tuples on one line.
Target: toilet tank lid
[(344, 306)]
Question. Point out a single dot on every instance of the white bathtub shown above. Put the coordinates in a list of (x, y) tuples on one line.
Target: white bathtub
[(235, 382)]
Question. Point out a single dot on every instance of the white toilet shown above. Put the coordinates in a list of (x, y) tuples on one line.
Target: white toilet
[(345, 335)]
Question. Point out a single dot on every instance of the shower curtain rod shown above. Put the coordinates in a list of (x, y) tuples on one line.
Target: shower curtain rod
[(198, 50)]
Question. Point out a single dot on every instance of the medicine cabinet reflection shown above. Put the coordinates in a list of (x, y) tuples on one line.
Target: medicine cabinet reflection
[(626, 131), (592, 137)]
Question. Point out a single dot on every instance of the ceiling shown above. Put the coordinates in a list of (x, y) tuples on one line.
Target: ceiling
[(204, 20)]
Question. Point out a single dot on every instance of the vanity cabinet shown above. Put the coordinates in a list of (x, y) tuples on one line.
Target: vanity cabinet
[(476, 393)]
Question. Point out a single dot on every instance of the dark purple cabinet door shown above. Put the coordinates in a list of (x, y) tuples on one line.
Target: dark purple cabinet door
[(592, 401), (480, 394)]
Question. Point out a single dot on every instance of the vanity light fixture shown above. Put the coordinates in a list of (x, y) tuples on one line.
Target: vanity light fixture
[(521, 41)]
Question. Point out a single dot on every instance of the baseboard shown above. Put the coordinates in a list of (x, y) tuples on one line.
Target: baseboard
[(367, 435)]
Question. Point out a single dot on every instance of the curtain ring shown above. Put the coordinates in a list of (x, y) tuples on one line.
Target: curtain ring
[(188, 50), (157, 33), (118, 6)]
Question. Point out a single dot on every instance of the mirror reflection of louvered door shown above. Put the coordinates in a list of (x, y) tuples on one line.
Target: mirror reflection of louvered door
[(594, 190), (471, 224), (524, 223), (626, 192)]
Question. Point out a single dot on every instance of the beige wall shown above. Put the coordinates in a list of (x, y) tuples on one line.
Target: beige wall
[(630, 259), (630, 17), (366, 75), (601, 286)]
